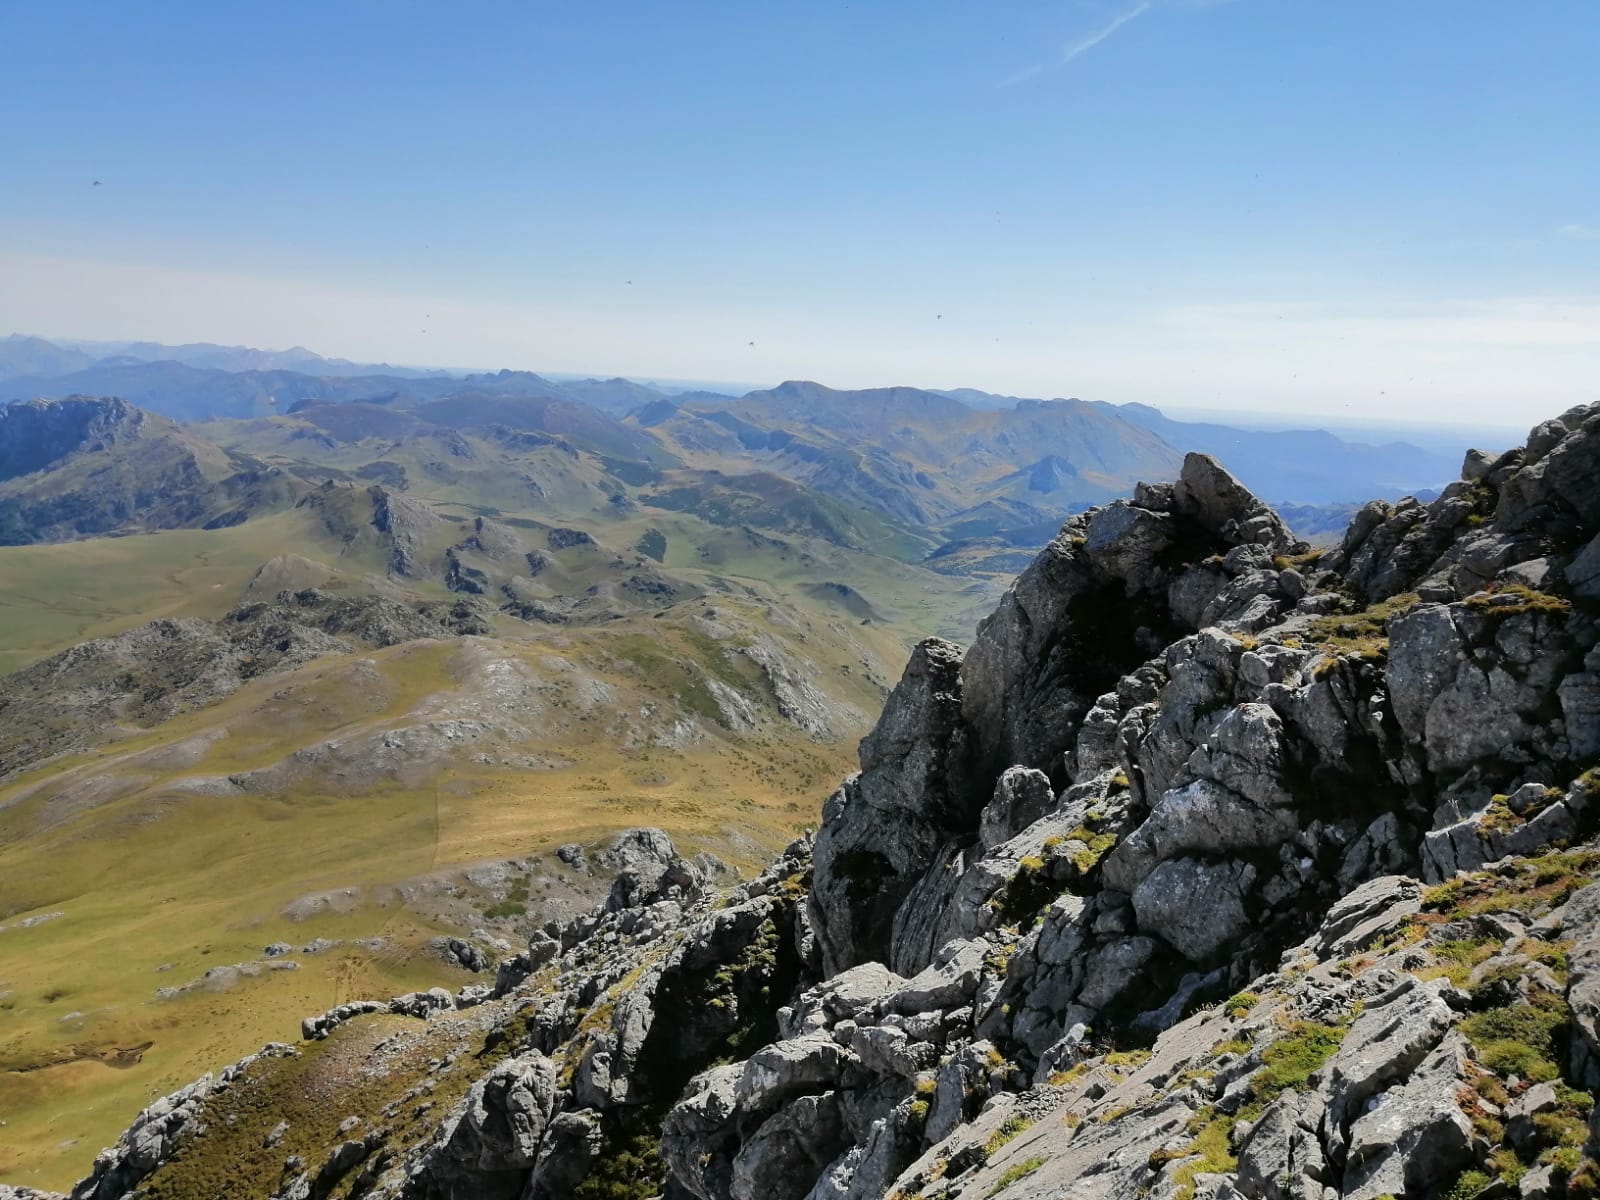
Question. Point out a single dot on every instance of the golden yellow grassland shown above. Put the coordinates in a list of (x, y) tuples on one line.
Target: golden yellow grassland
[(150, 876)]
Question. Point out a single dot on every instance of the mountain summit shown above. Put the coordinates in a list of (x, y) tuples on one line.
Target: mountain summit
[(1214, 867)]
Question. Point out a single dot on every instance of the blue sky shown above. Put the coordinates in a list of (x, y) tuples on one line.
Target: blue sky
[(1353, 208)]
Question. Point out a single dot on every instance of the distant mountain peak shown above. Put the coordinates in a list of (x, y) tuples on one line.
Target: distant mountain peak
[(1050, 473)]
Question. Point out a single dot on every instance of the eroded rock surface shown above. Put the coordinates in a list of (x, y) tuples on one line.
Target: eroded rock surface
[(1213, 868)]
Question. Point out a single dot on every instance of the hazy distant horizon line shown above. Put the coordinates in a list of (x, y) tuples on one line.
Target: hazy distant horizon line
[(1244, 418)]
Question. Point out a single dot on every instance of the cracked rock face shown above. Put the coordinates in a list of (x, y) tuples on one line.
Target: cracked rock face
[(1130, 898)]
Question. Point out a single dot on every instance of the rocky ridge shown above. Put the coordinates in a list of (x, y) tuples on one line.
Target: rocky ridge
[(86, 466), (150, 674), (1213, 868)]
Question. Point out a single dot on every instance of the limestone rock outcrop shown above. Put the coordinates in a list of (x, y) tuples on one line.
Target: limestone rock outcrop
[(1213, 868)]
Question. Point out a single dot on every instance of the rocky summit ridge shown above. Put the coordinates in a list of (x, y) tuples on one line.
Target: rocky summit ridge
[(1214, 867)]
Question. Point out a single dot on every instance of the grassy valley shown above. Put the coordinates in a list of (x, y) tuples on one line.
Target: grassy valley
[(368, 803), (408, 645)]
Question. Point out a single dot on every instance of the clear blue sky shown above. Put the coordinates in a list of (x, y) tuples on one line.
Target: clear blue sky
[(1350, 207)]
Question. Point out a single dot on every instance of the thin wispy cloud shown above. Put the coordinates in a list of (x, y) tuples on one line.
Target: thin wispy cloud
[(1021, 76), (1080, 46), (1587, 233), (1087, 43)]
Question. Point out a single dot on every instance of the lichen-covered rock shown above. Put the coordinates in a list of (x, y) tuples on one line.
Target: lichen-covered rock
[(1195, 906), (1394, 1034), (499, 1129), (786, 1153), (1581, 927), (1021, 797), (1282, 1159)]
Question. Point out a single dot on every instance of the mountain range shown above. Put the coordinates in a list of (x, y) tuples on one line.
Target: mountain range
[(1213, 866), (205, 383), (351, 694)]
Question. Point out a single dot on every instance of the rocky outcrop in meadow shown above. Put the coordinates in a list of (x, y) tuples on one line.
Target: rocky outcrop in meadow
[(1214, 867)]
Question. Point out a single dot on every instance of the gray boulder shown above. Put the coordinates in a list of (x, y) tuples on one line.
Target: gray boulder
[(775, 1073), (1196, 907), (1021, 797), (1417, 1134), (1282, 1158), (500, 1126), (783, 1157), (1208, 493), (1581, 920), (1395, 1032)]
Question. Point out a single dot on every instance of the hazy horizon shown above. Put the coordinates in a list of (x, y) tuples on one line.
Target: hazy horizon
[(1442, 433), (1354, 210)]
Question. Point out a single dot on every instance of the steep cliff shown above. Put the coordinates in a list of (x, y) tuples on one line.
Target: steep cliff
[(1214, 867)]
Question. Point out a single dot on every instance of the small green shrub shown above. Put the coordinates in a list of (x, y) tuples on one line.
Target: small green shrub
[(1460, 955), (1467, 1185), (1240, 1004), (1096, 846), (1211, 1152), (1289, 1062), (1518, 1039)]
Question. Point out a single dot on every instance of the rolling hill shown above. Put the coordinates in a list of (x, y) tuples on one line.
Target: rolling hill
[(84, 466), (377, 764)]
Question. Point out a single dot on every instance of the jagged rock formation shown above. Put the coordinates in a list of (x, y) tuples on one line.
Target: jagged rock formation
[(1169, 886)]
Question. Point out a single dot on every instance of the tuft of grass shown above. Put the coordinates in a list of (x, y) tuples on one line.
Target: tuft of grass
[(1070, 1075), (1459, 956), (1362, 636), (1011, 1174), (1127, 1059), (1095, 847), (1532, 885), (1519, 1039), (1499, 602), (1239, 1004), (1502, 819), (1013, 1126), (1467, 1185), (1209, 1153), (1289, 1062)]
